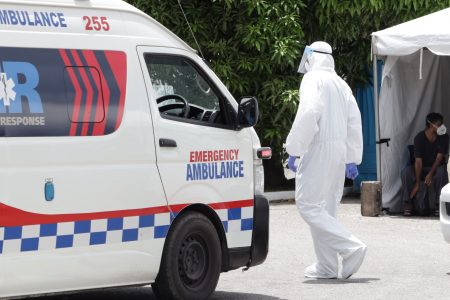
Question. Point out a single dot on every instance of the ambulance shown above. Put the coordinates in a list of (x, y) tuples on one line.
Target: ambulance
[(124, 160)]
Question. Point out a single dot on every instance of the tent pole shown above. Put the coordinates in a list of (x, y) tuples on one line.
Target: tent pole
[(376, 109)]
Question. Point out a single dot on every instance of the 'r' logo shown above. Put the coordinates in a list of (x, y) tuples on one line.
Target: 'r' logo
[(13, 90)]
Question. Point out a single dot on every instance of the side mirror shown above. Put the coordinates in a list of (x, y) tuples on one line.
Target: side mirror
[(248, 113)]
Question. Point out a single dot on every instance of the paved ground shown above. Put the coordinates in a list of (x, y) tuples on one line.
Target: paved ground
[(407, 259)]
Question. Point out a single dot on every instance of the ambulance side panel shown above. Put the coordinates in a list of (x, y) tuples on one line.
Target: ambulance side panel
[(89, 190), (108, 219)]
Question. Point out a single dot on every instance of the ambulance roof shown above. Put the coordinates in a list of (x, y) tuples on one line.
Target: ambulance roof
[(149, 26)]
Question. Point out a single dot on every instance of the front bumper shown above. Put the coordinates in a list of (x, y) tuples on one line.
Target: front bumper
[(255, 254)]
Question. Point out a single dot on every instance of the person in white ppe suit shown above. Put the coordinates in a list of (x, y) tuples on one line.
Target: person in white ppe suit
[(327, 136)]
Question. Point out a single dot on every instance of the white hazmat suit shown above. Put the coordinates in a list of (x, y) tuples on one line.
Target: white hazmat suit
[(326, 135)]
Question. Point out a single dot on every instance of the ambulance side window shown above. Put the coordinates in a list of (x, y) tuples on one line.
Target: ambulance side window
[(183, 92)]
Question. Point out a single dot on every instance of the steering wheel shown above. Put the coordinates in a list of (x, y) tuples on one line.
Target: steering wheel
[(184, 105), (214, 117)]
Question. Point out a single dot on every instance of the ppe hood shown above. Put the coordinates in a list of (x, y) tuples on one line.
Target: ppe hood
[(310, 51)]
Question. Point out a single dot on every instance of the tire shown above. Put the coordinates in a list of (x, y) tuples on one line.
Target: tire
[(191, 260)]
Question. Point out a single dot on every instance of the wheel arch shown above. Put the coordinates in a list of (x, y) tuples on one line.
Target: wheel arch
[(208, 212)]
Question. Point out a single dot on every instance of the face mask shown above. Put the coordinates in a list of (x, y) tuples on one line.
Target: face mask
[(441, 130)]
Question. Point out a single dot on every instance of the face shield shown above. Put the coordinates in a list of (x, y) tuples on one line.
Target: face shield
[(318, 47), (307, 53)]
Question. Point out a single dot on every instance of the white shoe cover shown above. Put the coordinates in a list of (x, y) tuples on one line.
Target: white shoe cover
[(352, 261), (311, 272)]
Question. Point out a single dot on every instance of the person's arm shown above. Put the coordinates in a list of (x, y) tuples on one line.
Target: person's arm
[(442, 149), (354, 133), (418, 164), (438, 161), (306, 123), (417, 171)]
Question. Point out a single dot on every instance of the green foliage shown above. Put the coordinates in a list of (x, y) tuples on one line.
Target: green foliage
[(252, 45), (255, 46)]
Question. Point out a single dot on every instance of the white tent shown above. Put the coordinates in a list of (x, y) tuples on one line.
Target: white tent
[(415, 82)]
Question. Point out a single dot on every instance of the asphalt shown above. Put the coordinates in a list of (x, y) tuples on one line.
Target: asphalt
[(407, 259)]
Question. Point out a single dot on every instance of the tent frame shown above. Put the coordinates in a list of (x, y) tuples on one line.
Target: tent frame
[(376, 109)]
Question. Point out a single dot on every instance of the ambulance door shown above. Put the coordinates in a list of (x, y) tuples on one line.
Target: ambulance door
[(201, 157)]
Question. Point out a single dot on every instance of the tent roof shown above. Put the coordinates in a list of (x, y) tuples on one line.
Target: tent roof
[(431, 31)]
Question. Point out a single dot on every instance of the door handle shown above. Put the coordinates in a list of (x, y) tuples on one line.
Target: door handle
[(167, 143)]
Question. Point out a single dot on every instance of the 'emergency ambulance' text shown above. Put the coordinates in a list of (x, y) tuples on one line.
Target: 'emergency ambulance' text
[(214, 164)]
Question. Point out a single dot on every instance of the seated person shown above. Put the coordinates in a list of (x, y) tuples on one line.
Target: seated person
[(430, 151)]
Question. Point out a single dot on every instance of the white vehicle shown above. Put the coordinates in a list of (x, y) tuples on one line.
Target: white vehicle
[(445, 212), (124, 159)]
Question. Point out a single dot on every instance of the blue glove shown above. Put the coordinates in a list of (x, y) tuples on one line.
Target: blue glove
[(291, 163), (351, 171)]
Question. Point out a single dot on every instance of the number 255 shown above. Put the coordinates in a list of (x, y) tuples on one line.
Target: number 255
[(96, 23)]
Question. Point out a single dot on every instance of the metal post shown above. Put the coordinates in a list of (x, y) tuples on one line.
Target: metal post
[(376, 106)]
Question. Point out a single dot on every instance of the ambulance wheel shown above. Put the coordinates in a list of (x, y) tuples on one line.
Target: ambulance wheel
[(191, 262)]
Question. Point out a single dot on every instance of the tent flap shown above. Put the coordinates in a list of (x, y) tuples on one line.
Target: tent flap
[(412, 86), (405, 101), (431, 31)]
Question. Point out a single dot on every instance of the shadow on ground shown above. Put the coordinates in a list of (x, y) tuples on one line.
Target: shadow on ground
[(340, 281), (138, 293), (241, 296), (129, 293)]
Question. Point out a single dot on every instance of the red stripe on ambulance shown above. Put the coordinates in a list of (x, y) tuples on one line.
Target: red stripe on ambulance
[(78, 92), (11, 216), (99, 111), (99, 128), (89, 91), (117, 62)]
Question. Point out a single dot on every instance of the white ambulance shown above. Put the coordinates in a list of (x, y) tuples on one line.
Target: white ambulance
[(444, 209), (123, 158)]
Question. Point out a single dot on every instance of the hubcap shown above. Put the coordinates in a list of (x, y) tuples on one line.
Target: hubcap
[(192, 261)]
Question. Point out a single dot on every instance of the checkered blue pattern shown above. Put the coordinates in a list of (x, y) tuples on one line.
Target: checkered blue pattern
[(83, 233), (43, 237), (236, 219)]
